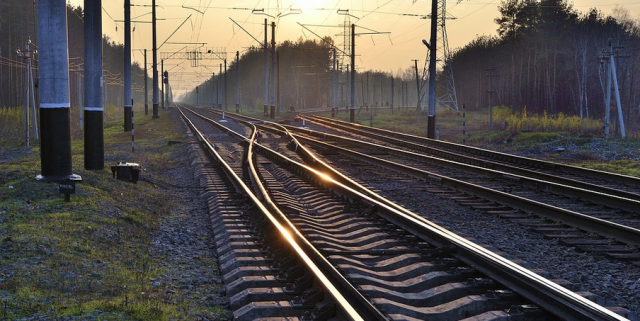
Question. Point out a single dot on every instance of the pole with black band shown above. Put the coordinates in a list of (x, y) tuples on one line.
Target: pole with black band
[(93, 108), (55, 126)]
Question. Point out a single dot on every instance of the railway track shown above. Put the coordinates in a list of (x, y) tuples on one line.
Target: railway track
[(403, 266), (599, 181), (530, 201)]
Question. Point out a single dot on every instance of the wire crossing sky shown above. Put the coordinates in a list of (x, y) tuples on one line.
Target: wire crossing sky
[(208, 26)]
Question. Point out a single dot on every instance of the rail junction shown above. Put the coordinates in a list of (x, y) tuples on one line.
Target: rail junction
[(300, 235)]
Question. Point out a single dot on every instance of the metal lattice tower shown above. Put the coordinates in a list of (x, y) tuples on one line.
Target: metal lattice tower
[(196, 54), (446, 89), (346, 38)]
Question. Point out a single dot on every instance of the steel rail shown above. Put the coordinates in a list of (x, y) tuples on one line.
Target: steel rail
[(606, 228), (357, 307), (497, 166), (602, 227), (351, 312), (541, 164), (568, 190), (550, 296)]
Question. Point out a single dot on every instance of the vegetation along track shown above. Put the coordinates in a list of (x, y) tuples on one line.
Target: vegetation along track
[(408, 267)]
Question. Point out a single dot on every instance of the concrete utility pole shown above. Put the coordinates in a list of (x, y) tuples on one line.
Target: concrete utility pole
[(162, 89), (55, 124), (146, 85), (128, 108), (79, 92), (106, 98), (381, 92), (392, 93), (218, 88), (490, 91), (333, 85), (612, 76), (156, 97), (213, 90), (165, 90), (30, 101), (431, 117), (266, 70), (237, 81), (415, 61), (352, 116), (277, 82), (226, 107), (272, 82), (33, 100), (366, 96)]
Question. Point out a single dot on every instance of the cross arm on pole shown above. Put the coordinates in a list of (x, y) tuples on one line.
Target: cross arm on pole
[(247, 32), (321, 38), (185, 20)]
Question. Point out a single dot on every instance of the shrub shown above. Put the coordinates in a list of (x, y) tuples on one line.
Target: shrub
[(521, 121)]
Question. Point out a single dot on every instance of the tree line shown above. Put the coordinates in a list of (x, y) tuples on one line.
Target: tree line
[(305, 79), (547, 57)]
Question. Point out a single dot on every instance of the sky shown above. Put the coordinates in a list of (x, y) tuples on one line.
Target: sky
[(189, 24)]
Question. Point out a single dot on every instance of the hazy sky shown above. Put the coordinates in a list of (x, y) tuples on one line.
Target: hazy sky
[(209, 24)]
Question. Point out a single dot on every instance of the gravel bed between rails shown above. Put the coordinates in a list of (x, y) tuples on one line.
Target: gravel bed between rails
[(615, 283)]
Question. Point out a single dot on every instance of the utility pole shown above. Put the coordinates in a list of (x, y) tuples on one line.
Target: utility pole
[(162, 89), (213, 90), (415, 61), (33, 100), (27, 128), (93, 83), (27, 54), (431, 117), (612, 76), (278, 82), (146, 85), (272, 82), (55, 142), (218, 84), (219, 89), (165, 91), (402, 99), (333, 86), (392, 93), (225, 86), (106, 98), (79, 91), (128, 108), (155, 60), (237, 81), (353, 73), (381, 92), (266, 71), (490, 91), (366, 99)]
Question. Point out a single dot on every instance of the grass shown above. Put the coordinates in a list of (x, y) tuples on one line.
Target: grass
[(62, 259)]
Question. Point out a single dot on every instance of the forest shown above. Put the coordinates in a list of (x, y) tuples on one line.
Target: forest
[(305, 78), (547, 58)]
